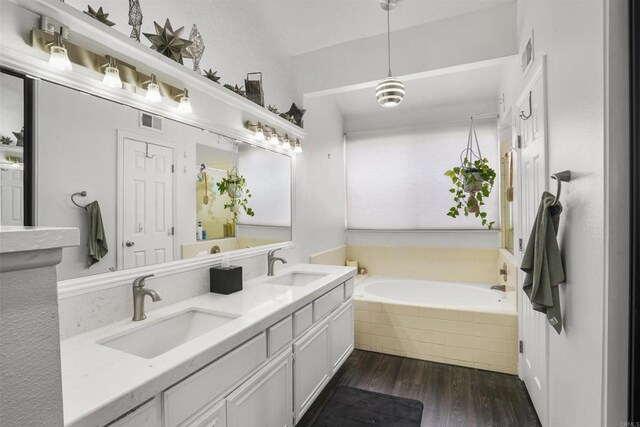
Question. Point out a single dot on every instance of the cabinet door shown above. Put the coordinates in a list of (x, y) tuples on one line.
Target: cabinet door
[(147, 415), (312, 366), (264, 399), (215, 416), (341, 335)]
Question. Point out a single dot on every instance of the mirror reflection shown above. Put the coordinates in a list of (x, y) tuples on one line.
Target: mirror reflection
[(11, 150), (145, 190)]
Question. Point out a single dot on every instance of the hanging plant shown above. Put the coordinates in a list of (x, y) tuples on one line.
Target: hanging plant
[(235, 186), (472, 181)]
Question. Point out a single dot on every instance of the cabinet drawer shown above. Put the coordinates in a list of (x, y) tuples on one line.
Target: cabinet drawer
[(187, 397), (327, 302), (147, 415), (213, 416), (348, 288), (302, 319), (280, 335)]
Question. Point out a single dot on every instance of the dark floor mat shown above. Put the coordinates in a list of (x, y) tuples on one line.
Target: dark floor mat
[(350, 406)]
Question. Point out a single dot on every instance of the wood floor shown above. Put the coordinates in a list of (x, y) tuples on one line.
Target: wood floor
[(452, 395)]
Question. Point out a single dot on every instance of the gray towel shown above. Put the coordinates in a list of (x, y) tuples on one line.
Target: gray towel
[(97, 239), (542, 263)]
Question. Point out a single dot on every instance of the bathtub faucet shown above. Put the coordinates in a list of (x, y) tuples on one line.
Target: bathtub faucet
[(502, 288)]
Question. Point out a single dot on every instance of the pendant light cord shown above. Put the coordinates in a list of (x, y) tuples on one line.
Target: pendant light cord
[(388, 39)]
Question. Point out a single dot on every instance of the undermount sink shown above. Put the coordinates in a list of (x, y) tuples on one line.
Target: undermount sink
[(296, 278), (161, 336)]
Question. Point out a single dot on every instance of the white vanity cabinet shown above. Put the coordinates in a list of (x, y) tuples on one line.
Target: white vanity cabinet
[(312, 366), (341, 323), (265, 399), (147, 415)]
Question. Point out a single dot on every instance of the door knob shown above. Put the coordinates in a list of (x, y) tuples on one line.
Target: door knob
[(129, 243)]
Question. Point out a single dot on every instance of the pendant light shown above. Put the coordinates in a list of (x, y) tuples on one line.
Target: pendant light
[(389, 91)]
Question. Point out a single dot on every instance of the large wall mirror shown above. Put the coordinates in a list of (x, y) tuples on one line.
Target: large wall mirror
[(148, 190), (15, 148)]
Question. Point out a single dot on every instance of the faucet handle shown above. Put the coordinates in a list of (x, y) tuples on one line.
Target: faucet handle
[(139, 281)]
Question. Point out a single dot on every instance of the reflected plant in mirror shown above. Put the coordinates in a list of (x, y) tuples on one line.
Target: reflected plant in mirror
[(235, 186)]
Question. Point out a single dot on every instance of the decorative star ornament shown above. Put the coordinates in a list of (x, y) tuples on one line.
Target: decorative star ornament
[(99, 15), (297, 114), (289, 117), (237, 89), (5, 140), (212, 75), (196, 50), (19, 137), (135, 19), (273, 109), (168, 42)]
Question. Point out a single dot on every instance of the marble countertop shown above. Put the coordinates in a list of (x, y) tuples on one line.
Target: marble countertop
[(21, 239), (100, 383)]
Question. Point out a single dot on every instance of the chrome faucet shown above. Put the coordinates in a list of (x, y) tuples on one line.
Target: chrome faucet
[(502, 288), (139, 292), (271, 260)]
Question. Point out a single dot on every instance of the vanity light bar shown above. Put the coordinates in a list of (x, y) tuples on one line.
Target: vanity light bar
[(64, 54)]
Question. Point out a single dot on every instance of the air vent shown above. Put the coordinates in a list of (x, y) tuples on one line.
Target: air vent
[(150, 121)]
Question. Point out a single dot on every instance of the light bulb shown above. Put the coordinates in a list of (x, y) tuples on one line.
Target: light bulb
[(297, 148), (112, 78), (153, 90), (259, 135), (274, 140), (59, 58), (286, 145), (185, 103)]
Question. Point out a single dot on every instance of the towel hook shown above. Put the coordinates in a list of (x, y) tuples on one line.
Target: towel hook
[(560, 177), (524, 116), (81, 194)]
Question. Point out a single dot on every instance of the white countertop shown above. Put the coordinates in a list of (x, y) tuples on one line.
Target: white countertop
[(21, 239), (100, 383)]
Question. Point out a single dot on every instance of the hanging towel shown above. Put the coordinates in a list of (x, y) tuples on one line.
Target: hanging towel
[(542, 263), (97, 240)]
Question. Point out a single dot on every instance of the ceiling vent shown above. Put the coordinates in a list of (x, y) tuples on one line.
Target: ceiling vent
[(149, 121)]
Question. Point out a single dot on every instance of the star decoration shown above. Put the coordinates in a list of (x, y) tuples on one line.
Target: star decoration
[(135, 18), (297, 114), (5, 140), (289, 117), (212, 75), (99, 15), (237, 89), (273, 109), (197, 48), (19, 137), (168, 42)]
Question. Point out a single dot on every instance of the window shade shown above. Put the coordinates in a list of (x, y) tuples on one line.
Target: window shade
[(395, 179)]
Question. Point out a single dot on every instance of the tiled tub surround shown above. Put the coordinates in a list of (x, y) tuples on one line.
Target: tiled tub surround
[(458, 335), (101, 383)]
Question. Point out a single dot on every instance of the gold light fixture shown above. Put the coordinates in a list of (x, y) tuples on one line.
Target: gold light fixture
[(185, 102), (112, 74), (153, 89), (58, 56)]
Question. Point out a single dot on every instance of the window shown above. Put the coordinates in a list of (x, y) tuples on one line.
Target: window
[(395, 179)]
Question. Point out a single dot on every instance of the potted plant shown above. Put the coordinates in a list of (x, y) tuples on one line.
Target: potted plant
[(235, 186), (472, 182)]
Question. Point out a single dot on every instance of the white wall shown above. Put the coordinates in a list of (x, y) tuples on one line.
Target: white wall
[(571, 34), (485, 34), (235, 41), (319, 218)]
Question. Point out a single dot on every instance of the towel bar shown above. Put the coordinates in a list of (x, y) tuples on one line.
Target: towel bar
[(560, 177), (81, 194)]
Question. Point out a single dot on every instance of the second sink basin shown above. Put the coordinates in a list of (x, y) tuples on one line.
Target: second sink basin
[(296, 278), (161, 336)]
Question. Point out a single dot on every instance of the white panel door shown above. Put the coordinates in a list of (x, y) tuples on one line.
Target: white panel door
[(264, 399), (533, 181), (148, 204), (312, 366), (11, 196)]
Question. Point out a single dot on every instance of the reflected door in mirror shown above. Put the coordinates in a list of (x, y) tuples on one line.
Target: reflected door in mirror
[(11, 191), (148, 204)]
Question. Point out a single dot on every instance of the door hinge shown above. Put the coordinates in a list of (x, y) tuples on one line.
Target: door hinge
[(172, 231), (519, 141), (520, 243), (173, 168), (520, 346)]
